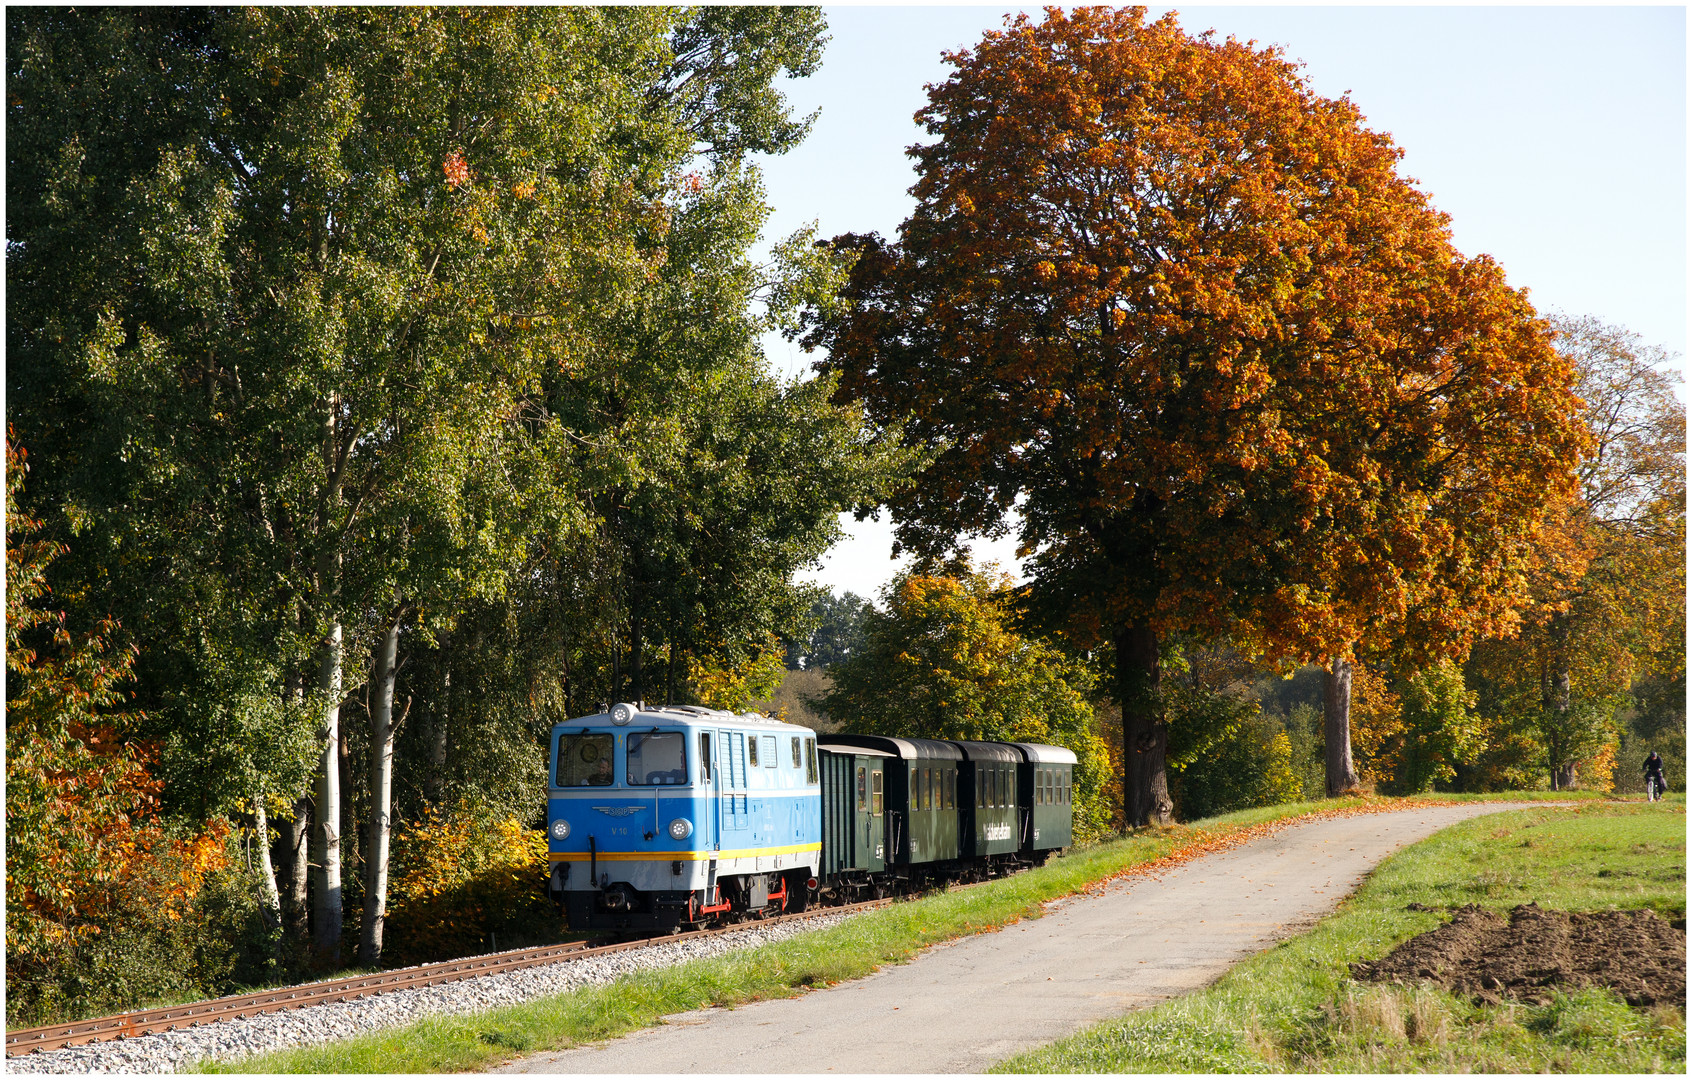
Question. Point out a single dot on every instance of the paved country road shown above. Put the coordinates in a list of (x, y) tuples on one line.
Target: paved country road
[(959, 1007)]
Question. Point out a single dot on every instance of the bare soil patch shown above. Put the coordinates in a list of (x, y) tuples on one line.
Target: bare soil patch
[(1479, 954)]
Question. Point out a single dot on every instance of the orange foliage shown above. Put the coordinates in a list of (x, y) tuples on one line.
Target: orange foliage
[(85, 852), (1183, 314), (457, 878)]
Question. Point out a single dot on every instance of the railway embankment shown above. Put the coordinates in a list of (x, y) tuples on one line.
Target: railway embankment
[(462, 1027)]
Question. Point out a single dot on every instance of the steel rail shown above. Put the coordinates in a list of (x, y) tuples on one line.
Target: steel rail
[(147, 1021)]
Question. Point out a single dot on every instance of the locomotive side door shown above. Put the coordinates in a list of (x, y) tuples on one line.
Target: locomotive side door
[(710, 835)]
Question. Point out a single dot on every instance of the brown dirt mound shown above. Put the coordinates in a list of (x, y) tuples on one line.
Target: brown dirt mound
[(1638, 954)]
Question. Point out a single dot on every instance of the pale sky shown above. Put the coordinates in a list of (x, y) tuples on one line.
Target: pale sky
[(1555, 137)]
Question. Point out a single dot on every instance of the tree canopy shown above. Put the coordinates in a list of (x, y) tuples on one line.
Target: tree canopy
[(1180, 312)]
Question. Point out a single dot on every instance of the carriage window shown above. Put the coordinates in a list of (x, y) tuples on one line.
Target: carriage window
[(810, 761), (584, 760), (657, 757), (795, 751), (770, 753), (951, 791), (861, 789), (914, 796), (704, 755), (752, 750), (1045, 787), (980, 789), (875, 794)]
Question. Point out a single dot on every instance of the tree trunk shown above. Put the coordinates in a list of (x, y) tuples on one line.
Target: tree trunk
[(270, 898), (670, 680), (296, 873), (1556, 696), (294, 858), (434, 783), (326, 837), (1336, 727), (637, 659), (381, 796), (1145, 732)]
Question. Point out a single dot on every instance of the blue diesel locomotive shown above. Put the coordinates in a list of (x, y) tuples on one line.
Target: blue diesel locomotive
[(663, 818)]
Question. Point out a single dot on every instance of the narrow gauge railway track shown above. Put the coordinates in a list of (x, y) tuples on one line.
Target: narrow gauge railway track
[(146, 1021)]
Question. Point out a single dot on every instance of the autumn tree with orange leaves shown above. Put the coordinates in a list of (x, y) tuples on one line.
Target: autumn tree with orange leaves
[(1177, 309), (85, 851)]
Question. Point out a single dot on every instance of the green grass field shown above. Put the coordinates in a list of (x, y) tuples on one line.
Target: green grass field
[(784, 969), (1294, 1008)]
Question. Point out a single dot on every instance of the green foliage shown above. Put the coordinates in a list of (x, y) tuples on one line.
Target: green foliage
[(837, 634), (1440, 728), (1225, 754), (942, 662)]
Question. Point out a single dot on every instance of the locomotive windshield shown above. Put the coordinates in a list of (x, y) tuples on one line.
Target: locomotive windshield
[(584, 761), (657, 757)]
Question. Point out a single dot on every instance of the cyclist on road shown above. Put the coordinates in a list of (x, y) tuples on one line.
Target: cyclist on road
[(1654, 772)]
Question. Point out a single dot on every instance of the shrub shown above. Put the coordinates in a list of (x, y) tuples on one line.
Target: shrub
[(459, 880)]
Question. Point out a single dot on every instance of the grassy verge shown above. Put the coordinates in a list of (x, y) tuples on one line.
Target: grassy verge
[(1295, 1009), (783, 969)]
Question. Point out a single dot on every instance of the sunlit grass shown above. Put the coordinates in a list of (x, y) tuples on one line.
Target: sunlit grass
[(1294, 1008), (783, 969)]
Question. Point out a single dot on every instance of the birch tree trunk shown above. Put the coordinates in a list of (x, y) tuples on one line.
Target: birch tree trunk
[(326, 837), (295, 870), (270, 898), (381, 795), (1336, 727)]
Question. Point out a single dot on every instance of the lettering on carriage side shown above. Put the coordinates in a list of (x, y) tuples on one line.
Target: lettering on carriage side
[(998, 832)]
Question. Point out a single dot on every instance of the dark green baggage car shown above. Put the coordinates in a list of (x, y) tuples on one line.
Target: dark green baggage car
[(1046, 803)]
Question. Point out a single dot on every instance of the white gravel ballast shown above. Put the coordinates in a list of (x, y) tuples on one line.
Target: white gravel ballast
[(229, 1040)]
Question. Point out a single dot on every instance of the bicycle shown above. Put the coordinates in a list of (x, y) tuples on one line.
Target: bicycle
[(1655, 788)]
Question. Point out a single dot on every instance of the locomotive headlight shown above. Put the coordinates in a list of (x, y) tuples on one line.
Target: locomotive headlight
[(681, 829), (622, 714), (560, 829)]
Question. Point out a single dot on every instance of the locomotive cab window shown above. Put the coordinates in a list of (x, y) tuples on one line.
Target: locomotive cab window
[(657, 757), (704, 755), (584, 760), (752, 750), (810, 761), (795, 751)]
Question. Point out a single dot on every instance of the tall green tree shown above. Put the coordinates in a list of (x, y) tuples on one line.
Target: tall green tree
[(306, 312), (944, 662), (1149, 295)]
